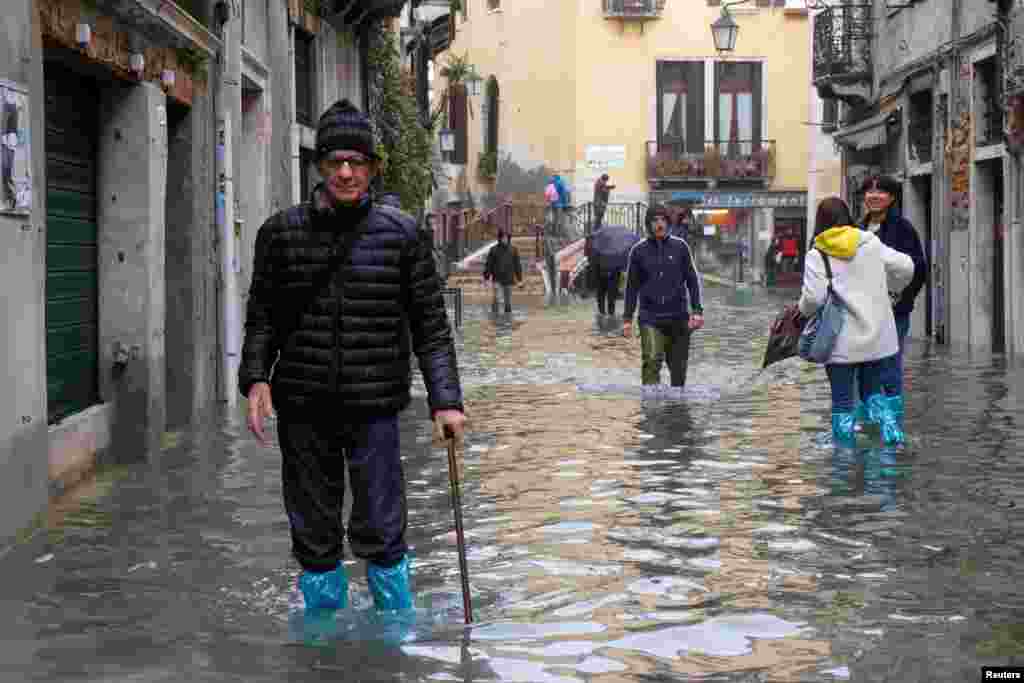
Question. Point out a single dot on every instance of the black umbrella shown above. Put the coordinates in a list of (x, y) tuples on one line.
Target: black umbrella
[(610, 246)]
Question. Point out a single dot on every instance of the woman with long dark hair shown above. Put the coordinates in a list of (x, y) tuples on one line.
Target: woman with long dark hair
[(883, 218), (864, 271)]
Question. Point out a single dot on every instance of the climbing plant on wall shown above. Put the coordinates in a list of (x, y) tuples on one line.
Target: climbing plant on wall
[(403, 140)]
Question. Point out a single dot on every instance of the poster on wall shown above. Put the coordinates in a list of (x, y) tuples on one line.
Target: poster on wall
[(958, 161), (604, 157), (15, 156)]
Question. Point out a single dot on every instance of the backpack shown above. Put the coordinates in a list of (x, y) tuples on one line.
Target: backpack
[(551, 193)]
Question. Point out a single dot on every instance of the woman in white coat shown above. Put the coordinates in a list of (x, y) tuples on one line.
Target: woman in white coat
[(864, 272)]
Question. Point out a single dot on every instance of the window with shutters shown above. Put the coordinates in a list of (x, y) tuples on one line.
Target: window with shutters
[(490, 117), (304, 77), (457, 122), (738, 106), (680, 106)]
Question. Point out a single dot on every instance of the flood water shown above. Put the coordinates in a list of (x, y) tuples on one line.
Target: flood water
[(612, 535)]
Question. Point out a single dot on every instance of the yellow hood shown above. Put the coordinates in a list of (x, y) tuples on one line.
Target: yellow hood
[(840, 241)]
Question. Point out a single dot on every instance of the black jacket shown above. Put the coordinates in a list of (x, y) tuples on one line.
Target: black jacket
[(350, 351), (897, 233), (503, 264)]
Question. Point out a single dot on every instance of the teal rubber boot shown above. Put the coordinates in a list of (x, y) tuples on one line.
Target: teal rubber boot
[(842, 429), (325, 590), (861, 416), (888, 412), (892, 428), (390, 585)]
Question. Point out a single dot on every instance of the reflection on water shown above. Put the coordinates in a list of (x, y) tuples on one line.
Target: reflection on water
[(613, 533)]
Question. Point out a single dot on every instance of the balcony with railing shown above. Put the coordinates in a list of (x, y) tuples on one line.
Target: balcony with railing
[(842, 52), (633, 9), (750, 161)]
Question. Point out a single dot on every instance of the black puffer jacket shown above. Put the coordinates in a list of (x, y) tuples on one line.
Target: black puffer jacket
[(350, 350)]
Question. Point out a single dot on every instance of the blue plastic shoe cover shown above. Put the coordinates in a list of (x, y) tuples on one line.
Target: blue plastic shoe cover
[(842, 429), (325, 589), (390, 585), (892, 427)]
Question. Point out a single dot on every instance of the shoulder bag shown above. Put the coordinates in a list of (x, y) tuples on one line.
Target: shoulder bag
[(822, 329)]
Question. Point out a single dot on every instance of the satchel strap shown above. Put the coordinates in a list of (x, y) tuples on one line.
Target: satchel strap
[(828, 267)]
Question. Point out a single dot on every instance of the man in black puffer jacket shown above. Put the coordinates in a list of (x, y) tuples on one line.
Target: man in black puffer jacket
[(336, 361)]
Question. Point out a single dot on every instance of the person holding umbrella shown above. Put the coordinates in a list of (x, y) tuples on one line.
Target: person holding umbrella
[(662, 275), (608, 249)]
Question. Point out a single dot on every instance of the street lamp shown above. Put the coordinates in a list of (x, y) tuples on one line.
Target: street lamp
[(724, 31), (473, 81), (447, 136)]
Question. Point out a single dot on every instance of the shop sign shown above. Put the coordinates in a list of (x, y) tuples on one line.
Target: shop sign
[(741, 200)]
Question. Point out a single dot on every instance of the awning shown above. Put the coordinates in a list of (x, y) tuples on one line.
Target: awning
[(871, 132)]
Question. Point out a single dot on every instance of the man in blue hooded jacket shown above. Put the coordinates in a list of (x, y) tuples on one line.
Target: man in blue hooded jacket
[(662, 275)]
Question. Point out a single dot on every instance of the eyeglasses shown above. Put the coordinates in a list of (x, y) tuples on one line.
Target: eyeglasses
[(356, 163)]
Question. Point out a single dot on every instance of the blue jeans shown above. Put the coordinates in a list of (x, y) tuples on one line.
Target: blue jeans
[(872, 377), (902, 327)]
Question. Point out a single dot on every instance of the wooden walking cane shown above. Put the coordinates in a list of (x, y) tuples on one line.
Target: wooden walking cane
[(453, 472)]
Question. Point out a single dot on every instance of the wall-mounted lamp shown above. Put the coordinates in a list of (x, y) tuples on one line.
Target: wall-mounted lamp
[(137, 63), (473, 82), (167, 78), (83, 35), (447, 136), (724, 31), (221, 13)]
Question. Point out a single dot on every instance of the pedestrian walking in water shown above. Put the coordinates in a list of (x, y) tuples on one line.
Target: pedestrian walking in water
[(862, 271), (882, 218), (344, 287), (602, 191), (662, 276), (503, 269)]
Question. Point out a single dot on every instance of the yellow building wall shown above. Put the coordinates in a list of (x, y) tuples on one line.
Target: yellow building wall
[(532, 59), (570, 78)]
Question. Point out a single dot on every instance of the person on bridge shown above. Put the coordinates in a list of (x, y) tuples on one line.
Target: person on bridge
[(503, 269), (602, 191), (863, 272), (662, 275), (333, 358)]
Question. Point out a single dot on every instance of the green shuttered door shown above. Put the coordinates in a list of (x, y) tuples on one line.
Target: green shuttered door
[(72, 285)]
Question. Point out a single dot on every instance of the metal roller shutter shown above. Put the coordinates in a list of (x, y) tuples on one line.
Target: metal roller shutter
[(72, 284)]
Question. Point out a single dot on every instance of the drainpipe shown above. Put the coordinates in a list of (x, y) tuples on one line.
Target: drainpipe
[(228, 114)]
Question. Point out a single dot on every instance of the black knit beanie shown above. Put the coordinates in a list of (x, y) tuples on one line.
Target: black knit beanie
[(344, 127), (653, 212)]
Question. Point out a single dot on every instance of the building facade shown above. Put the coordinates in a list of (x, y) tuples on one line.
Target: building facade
[(923, 96), (144, 143), (638, 90)]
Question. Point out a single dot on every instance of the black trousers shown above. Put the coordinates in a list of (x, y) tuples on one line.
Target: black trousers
[(599, 209), (315, 451), (607, 290)]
